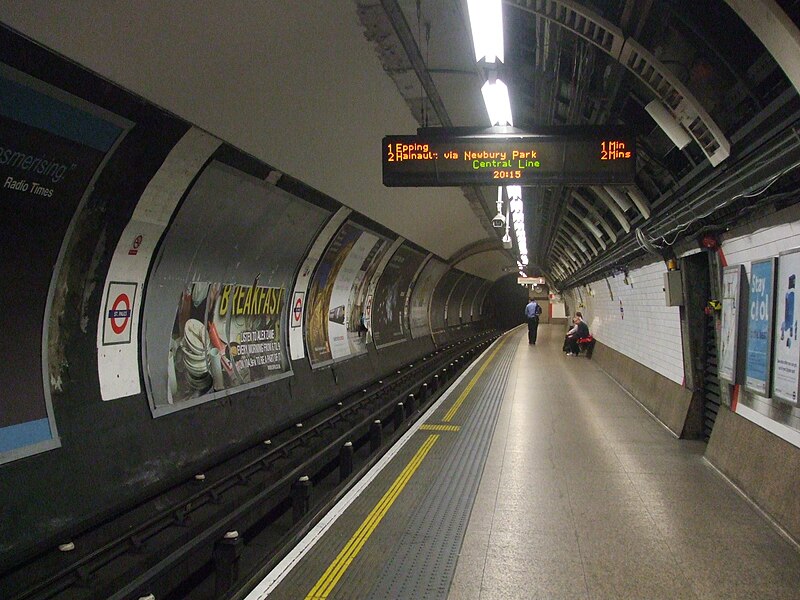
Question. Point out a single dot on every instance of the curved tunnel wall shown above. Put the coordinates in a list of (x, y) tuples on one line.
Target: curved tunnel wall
[(155, 316)]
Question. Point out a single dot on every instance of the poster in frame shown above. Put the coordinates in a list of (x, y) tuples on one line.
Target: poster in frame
[(786, 348), (732, 300), (760, 317)]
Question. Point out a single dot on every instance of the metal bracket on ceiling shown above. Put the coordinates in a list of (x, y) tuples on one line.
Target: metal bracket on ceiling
[(594, 213), (609, 38)]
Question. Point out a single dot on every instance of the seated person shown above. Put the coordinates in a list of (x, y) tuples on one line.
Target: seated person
[(570, 332), (578, 331)]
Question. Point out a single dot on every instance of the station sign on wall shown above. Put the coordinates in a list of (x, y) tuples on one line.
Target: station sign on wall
[(532, 281), (119, 312)]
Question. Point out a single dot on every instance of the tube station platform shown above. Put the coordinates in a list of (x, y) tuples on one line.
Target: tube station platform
[(537, 476)]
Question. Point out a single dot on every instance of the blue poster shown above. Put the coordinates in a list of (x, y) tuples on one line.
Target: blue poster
[(759, 327)]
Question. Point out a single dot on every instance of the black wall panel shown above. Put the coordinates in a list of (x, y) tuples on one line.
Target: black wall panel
[(505, 302), (439, 305)]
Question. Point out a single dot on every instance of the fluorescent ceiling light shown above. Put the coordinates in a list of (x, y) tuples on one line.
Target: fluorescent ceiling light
[(514, 191), (495, 96), (486, 22)]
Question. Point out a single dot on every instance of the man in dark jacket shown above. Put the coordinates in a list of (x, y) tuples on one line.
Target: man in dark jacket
[(532, 312)]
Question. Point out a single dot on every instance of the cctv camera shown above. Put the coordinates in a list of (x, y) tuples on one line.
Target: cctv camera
[(499, 221)]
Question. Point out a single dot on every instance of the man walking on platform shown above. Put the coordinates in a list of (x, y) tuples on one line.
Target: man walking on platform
[(532, 312)]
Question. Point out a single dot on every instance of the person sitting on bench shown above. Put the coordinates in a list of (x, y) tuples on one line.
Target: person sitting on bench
[(579, 330)]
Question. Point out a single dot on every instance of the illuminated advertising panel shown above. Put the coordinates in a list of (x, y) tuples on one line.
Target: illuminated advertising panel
[(477, 303), (729, 359), (438, 311), (215, 311), (465, 310), (567, 156), (453, 317)]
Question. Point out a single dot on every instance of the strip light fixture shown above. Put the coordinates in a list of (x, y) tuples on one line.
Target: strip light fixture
[(486, 23), (495, 97), (514, 193)]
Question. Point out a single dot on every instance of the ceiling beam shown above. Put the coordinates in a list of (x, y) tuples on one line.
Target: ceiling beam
[(662, 82), (573, 225), (593, 212), (606, 199), (780, 36)]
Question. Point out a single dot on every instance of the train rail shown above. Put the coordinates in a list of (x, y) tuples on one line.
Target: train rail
[(204, 537)]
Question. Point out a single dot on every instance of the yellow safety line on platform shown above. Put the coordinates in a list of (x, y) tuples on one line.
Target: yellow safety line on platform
[(348, 554), (440, 427), (452, 412)]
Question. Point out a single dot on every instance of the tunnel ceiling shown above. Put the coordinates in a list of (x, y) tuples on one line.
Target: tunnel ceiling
[(311, 88), (594, 63)]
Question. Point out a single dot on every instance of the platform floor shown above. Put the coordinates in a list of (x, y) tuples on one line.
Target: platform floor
[(539, 477)]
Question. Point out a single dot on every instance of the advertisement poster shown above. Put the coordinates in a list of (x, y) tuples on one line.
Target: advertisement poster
[(335, 323), (389, 318), (759, 326), (219, 292), (729, 338), (225, 336), (421, 297), (50, 149), (786, 350)]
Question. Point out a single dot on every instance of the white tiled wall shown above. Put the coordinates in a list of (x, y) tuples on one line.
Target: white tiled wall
[(649, 332), (763, 243), (645, 330)]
